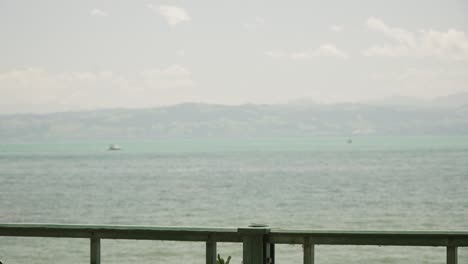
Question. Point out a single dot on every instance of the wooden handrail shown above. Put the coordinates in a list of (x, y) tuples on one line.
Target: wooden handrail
[(122, 232), (378, 238), (258, 242)]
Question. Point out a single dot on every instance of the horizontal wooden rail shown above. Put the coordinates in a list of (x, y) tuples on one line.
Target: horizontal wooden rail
[(122, 232), (378, 238), (258, 241)]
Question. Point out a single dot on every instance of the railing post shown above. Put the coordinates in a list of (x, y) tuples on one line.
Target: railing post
[(309, 251), (270, 253), (254, 244), (210, 251), (452, 255), (95, 257)]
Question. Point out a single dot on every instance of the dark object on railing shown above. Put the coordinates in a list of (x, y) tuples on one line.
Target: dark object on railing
[(258, 242), (221, 260)]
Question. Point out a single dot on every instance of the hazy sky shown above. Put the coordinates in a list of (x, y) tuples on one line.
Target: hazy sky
[(71, 55)]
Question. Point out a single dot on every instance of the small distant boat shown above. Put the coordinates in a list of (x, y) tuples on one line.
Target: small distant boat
[(114, 147)]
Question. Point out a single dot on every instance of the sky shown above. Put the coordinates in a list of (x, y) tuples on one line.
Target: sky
[(66, 55)]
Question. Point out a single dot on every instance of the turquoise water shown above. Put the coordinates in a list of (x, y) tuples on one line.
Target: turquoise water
[(375, 183)]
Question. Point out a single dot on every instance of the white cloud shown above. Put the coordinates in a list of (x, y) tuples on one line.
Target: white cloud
[(39, 90), (171, 71), (324, 50), (330, 50), (176, 70), (98, 12), (171, 76), (449, 45), (336, 28), (174, 15)]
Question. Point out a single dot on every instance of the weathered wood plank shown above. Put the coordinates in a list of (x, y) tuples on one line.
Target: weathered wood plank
[(95, 256), (253, 244), (253, 250), (270, 253), (210, 252), (370, 238), (309, 251), (122, 232), (276, 236), (452, 255)]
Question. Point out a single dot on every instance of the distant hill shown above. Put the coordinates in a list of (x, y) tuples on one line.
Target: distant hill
[(449, 101), (250, 120), (454, 100)]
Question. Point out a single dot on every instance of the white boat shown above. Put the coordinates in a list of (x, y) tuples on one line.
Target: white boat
[(114, 147)]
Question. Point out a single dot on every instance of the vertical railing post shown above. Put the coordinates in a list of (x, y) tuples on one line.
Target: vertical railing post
[(452, 255), (95, 257), (269, 253), (254, 243), (309, 251), (210, 251)]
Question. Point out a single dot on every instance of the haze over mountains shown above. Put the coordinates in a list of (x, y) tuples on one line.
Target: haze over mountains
[(392, 116), (449, 101)]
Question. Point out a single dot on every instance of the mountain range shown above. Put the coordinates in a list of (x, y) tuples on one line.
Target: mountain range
[(393, 116)]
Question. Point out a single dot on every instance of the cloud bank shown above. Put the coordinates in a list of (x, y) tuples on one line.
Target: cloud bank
[(172, 14), (425, 43), (324, 50), (98, 12), (39, 90)]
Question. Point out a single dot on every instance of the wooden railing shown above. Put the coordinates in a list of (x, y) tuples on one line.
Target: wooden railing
[(258, 241)]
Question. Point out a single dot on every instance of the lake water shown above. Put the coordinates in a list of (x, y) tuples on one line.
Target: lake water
[(375, 183)]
